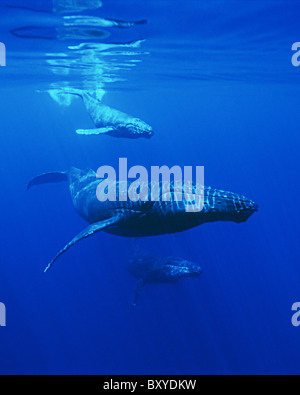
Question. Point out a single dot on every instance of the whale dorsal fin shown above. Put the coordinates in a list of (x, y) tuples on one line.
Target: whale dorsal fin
[(89, 231)]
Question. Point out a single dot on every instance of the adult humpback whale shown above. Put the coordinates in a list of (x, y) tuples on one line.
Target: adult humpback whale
[(156, 269), (110, 121), (141, 219)]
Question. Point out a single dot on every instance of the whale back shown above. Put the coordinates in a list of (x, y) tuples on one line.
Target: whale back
[(218, 205), (83, 186)]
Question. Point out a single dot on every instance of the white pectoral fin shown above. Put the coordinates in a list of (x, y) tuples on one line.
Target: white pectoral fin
[(95, 131), (89, 231)]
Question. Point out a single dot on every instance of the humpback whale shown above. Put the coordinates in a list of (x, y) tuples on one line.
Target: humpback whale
[(155, 269), (140, 218), (110, 121)]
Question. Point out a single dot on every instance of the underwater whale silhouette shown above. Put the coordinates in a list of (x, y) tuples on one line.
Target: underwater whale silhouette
[(156, 269), (110, 121), (143, 218)]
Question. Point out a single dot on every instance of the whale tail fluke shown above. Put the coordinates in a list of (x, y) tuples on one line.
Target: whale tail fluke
[(48, 178), (64, 96)]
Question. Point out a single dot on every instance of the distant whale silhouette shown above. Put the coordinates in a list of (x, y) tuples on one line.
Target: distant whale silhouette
[(110, 121), (156, 269), (141, 219)]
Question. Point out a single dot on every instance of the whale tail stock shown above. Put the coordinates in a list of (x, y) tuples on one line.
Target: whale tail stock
[(48, 178), (96, 95)]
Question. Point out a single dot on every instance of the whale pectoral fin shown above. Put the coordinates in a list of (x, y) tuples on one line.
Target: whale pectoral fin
[(139, 286), (95, 131), (89, 231)]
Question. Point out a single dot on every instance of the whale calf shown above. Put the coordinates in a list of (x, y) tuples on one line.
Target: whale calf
[(110, 121), (140, 218), (155, 269)]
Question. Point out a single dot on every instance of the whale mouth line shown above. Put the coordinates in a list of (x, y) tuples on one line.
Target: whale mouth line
[(245, 214)]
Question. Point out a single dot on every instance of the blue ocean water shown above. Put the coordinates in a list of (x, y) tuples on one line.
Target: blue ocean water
[(215, 81)]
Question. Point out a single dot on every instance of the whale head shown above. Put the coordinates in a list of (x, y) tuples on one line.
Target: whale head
[(138, 128), (228, 206)]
